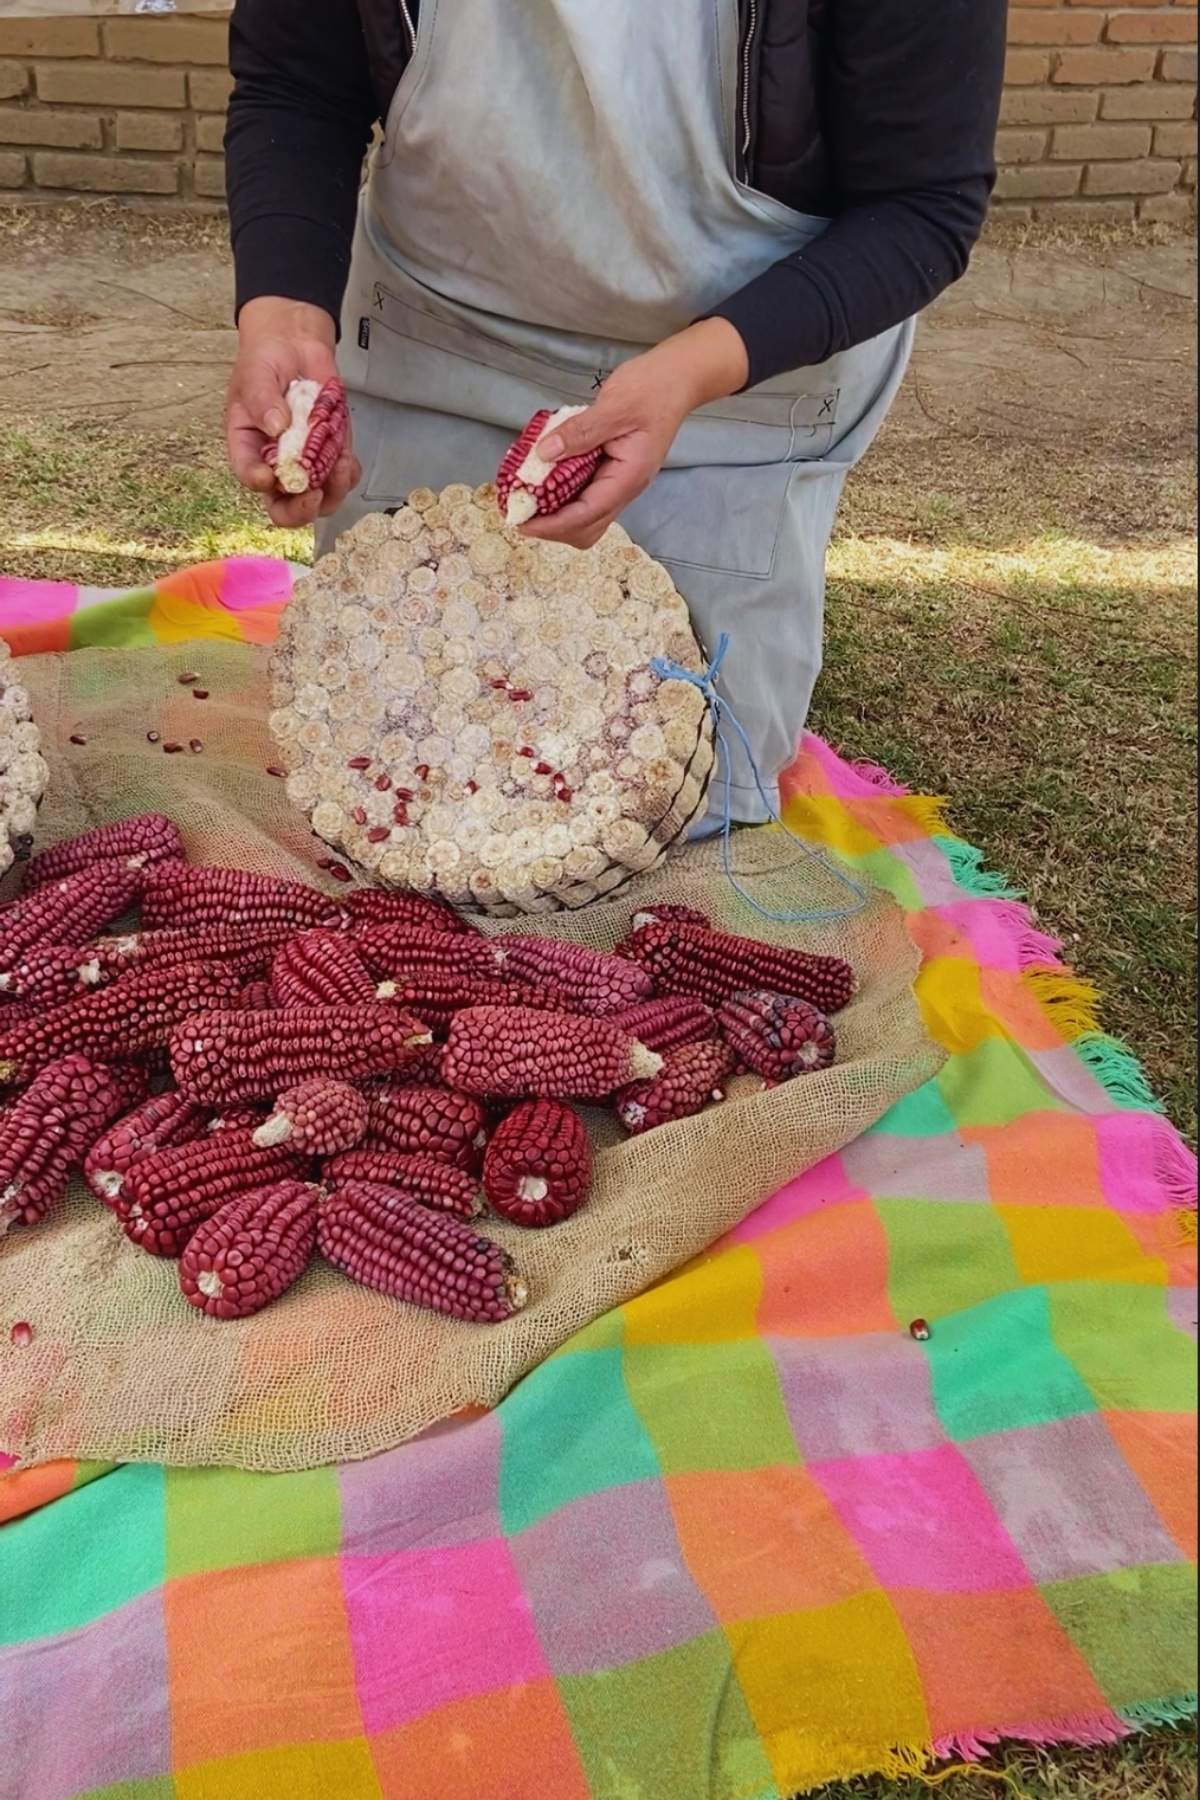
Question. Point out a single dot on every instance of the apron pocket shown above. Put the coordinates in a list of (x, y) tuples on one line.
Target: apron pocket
[(725, 519)]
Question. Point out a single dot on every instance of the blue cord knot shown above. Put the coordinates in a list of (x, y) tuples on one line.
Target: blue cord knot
[(724, 717)]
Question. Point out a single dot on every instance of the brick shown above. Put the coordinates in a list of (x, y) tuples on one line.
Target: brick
[(1178, 65), (1039, 182), (1162, 27), (12, 170), (49, 37), (1054, 27), (209, 174), (1131, 177), (1175, 140), (1100, 67), (210, 134), (1020, 147), (167, 40), (43, 125), (1089, 143), (149, 131), (1188, 178), (1047, 106), (105, 174), (1026, 68), (1087, 212), (1168, 209), (13, 80), (1156, 101), (209, 90), (107, 84)]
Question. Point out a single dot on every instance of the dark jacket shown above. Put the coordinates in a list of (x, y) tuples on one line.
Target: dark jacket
[(879, 114)]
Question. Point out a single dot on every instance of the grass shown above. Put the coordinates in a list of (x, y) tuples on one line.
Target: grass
[(1016, 634)]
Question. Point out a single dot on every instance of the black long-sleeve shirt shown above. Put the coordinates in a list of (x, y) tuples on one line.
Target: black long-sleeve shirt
[(891, 133)]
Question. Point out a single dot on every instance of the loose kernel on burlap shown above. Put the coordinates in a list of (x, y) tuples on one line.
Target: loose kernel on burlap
[(122, 1368)]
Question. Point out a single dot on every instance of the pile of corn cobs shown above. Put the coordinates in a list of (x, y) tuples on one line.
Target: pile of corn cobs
[(260, 1072)]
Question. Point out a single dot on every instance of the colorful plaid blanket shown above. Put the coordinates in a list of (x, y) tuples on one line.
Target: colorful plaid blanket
[(741, 1537)]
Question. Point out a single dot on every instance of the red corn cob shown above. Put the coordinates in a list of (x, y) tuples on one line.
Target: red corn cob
[(170, 1192), (396, 952), (425, 1069), (508, 1052), (218, 1057), (713, 965), (387, 906), (777, 1035), (382, 1239), (176, 895), (676, 915), (692, 1077), (50, 973), (538, 1167), (251, 1250), (594, 983), (665, 1024), (150, 838), (304, 456), (428, 1120), (132, 1016), (435, 995), (526, 486), (68, 911), (44, 1136), (319, 1117), (256, 995), (157, 1124), (425, 1178), (320, 968), (245, 949)]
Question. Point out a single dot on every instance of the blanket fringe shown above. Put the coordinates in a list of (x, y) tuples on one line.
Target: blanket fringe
[(1036, 949), (1148, 1713), (878, 778), (1118, 1071), (966, 866), (1071, 1004)]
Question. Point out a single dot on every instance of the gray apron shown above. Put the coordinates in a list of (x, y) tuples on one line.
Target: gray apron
[(555, 193)]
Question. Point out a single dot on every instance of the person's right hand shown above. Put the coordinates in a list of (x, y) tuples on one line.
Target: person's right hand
[(280, 341)]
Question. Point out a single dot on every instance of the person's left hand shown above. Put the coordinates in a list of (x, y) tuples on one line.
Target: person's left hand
[(640, 409)]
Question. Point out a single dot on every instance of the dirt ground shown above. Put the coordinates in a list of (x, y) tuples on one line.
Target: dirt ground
[(125, 319)]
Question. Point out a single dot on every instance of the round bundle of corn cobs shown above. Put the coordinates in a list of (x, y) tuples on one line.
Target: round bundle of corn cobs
[(23, 771), (249, 1073), (489, 725)]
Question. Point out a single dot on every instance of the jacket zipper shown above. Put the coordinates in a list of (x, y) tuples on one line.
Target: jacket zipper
[(747, 69), (409, 28)]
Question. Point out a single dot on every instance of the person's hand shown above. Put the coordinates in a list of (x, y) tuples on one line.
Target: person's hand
[(280, 341), (635, 421)]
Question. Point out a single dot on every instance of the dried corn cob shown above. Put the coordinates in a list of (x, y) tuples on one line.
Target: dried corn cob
[(51, 973), (425, 1178), (177, 895), (383, 906), (664, 1024), (150, 838), (713, 965), (68, 911), (430, 1121), (510, 1052), (396, 952), (157, 1124), (527, 485), (132, 1016), (538, 1167), (320, 1117), (595, 984), (435, 995), (244, 949), (250, 1251), (777, 1035), (169, 1193), (44, 1136), (219, 1057), (304, 456), (320, 968), (692, 1078), (385, 1241)]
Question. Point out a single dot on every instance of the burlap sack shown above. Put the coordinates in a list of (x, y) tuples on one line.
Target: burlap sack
[(121, 1368)]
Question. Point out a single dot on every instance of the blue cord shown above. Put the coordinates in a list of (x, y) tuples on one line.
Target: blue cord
[(724, 718)]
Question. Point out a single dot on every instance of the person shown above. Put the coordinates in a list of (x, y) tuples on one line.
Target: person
[(710, 223)]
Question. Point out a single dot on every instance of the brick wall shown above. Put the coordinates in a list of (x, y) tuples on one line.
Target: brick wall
[(1099, 111)]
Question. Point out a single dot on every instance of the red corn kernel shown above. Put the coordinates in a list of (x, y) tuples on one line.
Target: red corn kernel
[(172, 749), (542, 769), (499, 685), (359, 815), (472, 787), (378, 834), (919, 1329), (565, 794), (382, 783), (21, 1334), (199, 693), (187, 679), (422, 771), (274, 769), (520, 694), (339, 871), (154, 737), (400, 815), (77, 739), (195, 745), (404, 794), (526, 751), (359, 762)]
